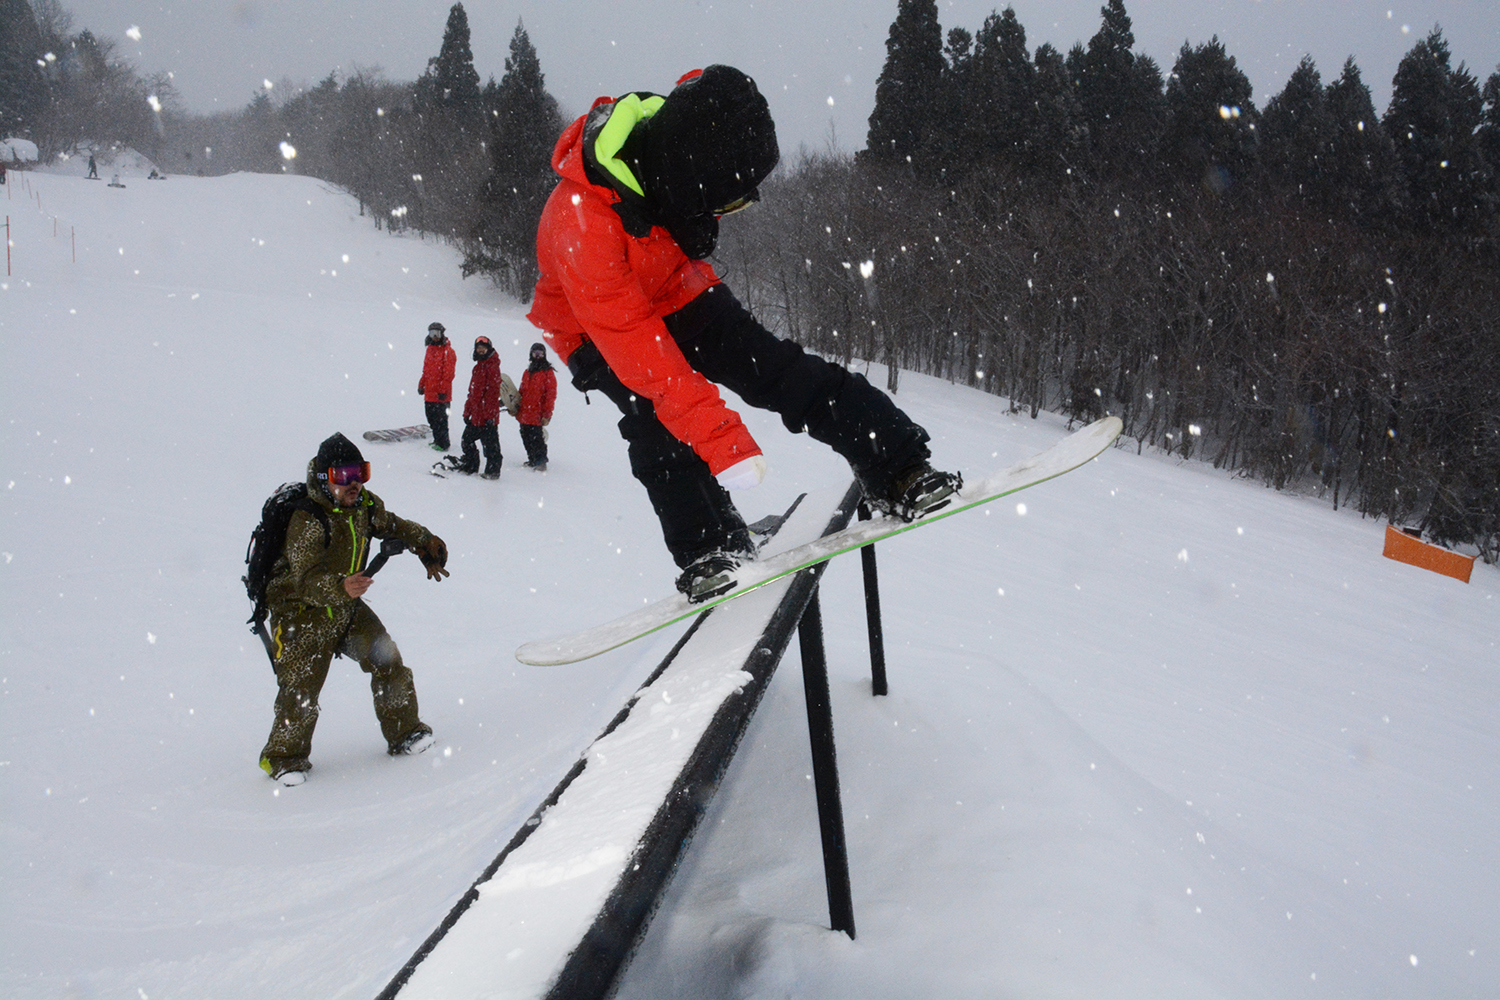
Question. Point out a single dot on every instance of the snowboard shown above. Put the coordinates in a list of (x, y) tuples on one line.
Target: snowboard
[(1068, 454), (416, 432)]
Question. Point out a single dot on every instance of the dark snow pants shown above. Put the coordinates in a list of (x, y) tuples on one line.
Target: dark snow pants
[(535, 441), (305, 642), (437, 419), (721, 340), (487, 435)]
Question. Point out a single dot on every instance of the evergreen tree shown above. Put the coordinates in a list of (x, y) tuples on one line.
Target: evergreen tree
[(1488, 139), (903, 128), (950, 145), (1210, 133), (451, 81), (311, 121), (1001, 110), (1058, 137), (524, 126), (23, 88), (1363, 173), (1433, 117), (446, 151), (261, 135), (1120, 96), (1296, 134)]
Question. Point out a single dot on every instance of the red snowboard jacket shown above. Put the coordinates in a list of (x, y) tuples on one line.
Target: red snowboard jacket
[(599, 282), (538, 394), (483, 404), (436, 383)]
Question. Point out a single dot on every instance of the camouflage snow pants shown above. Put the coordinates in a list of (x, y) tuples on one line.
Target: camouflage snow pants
[(305, 643)]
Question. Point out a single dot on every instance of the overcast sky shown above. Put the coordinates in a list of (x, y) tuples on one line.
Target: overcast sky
[(816, 60)]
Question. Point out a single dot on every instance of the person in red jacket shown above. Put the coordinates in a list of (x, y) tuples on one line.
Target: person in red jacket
[(482, 413), (628, 302), (436, 383), (538, 395)]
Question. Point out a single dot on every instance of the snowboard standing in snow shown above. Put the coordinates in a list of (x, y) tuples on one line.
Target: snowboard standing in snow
[(416, 432), (1068, 454)]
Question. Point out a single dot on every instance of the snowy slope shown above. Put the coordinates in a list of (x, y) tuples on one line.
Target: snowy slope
[(1155, 680)]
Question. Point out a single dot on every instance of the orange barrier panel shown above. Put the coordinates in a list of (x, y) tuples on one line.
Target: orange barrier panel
[(1404, 548)]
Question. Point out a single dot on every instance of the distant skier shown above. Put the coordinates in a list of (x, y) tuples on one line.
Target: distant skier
[(482, 413), (93, 169), (627, 301), (436, 383), (317, 611), (538, 396)]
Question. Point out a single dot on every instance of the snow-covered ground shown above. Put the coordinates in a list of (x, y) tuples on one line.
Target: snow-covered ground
[(1159, 733)]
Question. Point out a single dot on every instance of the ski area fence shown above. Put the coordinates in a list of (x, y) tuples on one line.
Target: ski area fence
[(560, 910)]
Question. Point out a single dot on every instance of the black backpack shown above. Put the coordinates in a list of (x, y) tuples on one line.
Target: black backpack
[(268, 538)]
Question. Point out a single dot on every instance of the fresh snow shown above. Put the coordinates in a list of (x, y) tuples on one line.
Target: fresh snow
[(1153, 731)]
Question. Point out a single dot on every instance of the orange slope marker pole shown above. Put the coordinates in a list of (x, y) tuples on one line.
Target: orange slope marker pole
[(1404, 548)]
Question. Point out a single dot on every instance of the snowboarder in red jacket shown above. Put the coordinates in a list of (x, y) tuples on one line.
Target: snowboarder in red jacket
[(627, 300), (538, 395), (436, 383), (482, 412)]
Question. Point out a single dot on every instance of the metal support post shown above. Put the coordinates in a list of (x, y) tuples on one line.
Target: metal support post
[(825, 768), (872, 614)]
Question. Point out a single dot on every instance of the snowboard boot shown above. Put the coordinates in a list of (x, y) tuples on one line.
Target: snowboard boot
[(712, 574), (414, 742), (709, 576), (915, 493)]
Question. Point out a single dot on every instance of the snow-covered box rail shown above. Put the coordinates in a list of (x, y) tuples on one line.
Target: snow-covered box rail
[(557, 912)]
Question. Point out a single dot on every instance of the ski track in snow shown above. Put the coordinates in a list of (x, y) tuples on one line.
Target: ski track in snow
[(1164, 734)]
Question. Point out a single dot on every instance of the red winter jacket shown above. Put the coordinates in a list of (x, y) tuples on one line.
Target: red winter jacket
[(538, 394), (483, 404), (436, 383), (598, 281)]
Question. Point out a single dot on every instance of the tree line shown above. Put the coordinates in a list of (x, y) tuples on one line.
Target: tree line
[(1307, 293), (442, 155)]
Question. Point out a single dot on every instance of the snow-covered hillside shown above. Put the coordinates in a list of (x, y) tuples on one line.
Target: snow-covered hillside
[(1157, 733)]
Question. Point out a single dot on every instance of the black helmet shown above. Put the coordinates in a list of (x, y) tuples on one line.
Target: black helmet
[(705, 153), (435, 334), (539, 348)]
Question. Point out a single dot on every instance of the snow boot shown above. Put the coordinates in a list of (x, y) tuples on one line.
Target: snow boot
[(414, 742), (289, 772)]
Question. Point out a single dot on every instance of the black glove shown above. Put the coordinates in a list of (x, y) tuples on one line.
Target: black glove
[(434, 556)]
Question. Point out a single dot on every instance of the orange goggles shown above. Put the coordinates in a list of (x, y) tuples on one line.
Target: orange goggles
[(738, 204), (343, 475)]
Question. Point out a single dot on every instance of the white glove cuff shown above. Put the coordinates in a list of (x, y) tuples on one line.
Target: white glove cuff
[(744, 475)]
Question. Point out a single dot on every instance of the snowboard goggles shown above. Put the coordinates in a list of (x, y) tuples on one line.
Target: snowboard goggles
[(343, 475), (738, 204)]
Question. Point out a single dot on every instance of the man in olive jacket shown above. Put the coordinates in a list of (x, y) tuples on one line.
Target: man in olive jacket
[(316, 601)]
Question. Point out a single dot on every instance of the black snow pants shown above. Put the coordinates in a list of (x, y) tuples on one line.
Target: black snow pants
[(437, 419), (723, 342), (474, 436)]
